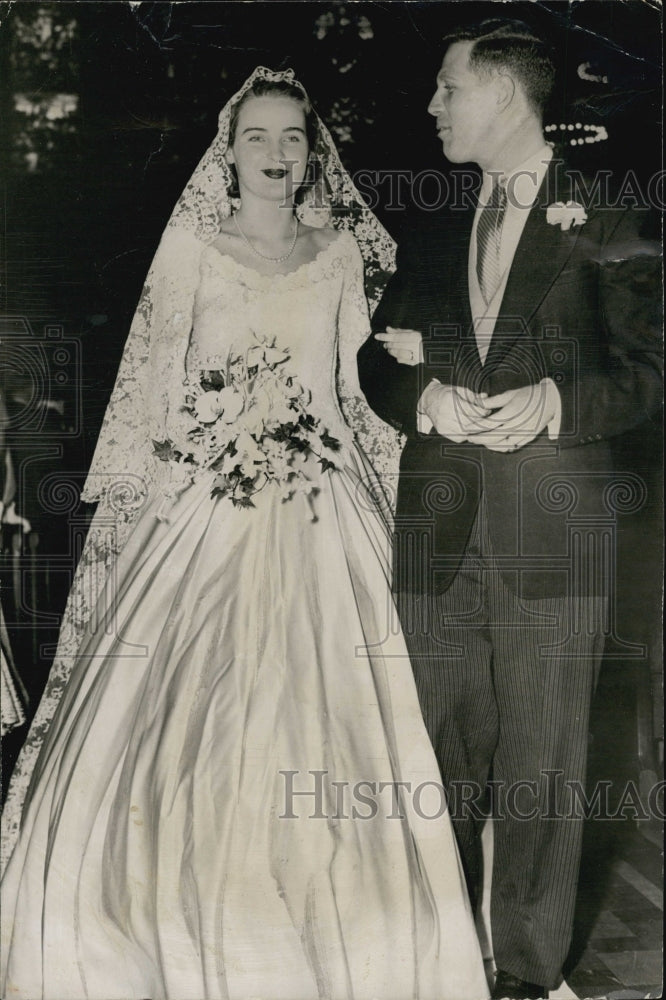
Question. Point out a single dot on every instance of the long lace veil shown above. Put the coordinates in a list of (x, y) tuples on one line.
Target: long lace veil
[(145, 402)]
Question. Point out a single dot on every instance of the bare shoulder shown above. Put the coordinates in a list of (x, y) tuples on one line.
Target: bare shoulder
[(227, 228), (319, 238), (227, 237)]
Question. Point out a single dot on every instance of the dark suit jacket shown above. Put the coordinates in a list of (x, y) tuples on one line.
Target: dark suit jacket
[(580, 307)]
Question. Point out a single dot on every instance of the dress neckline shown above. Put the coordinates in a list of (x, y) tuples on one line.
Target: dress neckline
[(317, 259)]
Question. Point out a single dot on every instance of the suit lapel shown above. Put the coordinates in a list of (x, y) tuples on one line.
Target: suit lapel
[(452, 286), (540, 257), (456, 303)]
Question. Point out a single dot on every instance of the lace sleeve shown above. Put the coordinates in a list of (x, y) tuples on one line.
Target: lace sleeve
[(381, 444), (145, 403)]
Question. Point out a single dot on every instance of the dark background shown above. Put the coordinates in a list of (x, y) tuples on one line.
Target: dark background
[(106, 109)]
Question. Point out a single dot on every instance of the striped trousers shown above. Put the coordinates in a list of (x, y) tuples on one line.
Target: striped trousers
[(505, 687)]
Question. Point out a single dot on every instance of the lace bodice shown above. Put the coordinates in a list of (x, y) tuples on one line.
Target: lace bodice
[(301, 310)]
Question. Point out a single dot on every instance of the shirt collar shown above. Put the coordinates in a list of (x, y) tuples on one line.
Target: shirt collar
[(523, 182)]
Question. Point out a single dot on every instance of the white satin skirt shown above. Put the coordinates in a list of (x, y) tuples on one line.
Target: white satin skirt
[(237, 797)]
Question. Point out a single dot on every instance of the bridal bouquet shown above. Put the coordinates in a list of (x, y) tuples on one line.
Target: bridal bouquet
[(251, 426)]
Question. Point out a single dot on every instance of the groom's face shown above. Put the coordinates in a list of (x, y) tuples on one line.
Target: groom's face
[(465, 107)]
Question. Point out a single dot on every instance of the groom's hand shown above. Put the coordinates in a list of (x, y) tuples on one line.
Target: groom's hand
[(517, 416), (455, 412), (406, 346)]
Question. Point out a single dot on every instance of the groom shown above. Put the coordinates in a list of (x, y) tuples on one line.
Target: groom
[(537, 348)]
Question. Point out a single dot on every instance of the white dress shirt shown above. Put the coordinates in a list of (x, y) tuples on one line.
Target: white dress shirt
[(522, 185)]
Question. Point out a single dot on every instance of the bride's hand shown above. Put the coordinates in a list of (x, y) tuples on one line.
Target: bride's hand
[(406, 346)]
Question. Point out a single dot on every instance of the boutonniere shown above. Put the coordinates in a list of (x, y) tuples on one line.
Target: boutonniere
[(566, 215)]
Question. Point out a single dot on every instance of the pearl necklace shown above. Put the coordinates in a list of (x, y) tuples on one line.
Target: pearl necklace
[(275, 260)]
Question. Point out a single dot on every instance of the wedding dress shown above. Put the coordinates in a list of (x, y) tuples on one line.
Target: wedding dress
[(241, 658), (236, 797)]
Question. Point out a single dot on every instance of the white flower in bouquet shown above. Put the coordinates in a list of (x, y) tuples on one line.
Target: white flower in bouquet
[(224, 403), (232, 403), (257, 410), (265, 353), (247, 448), (280, 413), (227, 462), (279, 461), (254, 356), (207, 407)]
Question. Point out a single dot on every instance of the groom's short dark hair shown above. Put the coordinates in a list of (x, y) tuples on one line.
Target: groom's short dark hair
[(503, 43)]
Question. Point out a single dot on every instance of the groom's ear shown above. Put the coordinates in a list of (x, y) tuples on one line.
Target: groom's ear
[(505, 90)]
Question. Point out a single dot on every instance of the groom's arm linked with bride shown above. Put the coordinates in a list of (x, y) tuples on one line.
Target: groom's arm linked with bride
[(539, 345)]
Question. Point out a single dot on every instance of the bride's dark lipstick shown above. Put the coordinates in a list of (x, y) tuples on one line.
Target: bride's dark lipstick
[(275, 174)]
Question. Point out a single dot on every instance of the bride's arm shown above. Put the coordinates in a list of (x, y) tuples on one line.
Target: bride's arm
[(392, 389), (147, 396)]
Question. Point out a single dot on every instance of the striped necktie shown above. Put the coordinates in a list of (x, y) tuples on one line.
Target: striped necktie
[(488, 241)]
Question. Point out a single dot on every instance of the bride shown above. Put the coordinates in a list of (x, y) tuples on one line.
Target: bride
[(235, 796)]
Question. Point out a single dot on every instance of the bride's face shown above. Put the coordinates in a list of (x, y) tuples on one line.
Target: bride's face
[(270, 148)]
